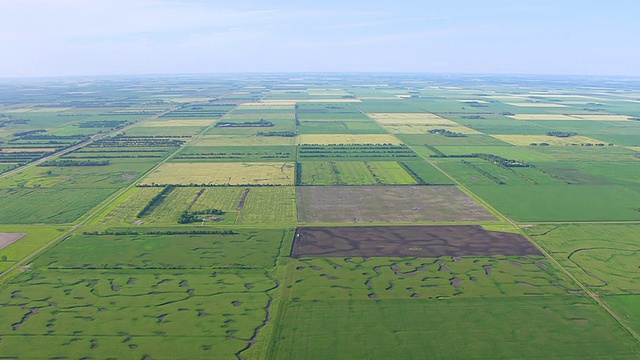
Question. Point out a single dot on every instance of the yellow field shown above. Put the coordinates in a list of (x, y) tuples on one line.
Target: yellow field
[(378, 98), (256, 115), (526, 140), (635, 148), (423, 129), (542, 117), (14, 150), (275, 104), (603, 117), (535, 104), (199, 122), (242, 140), (339, 100), (222, 174), (37, 110), (327, 92), (179, 99), (411, 118), (347, 139), (471, 101)]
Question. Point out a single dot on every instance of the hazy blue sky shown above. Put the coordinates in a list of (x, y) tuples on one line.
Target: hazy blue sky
[(85, 37)]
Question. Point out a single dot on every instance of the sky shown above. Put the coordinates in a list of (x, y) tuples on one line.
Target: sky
[(110, 37)]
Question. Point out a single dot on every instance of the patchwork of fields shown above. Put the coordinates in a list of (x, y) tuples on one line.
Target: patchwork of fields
[(281, 218)]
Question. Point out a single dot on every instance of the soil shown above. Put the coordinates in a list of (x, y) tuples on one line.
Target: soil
[(401, 204), (408, 241), (7, 239), (244, 199)]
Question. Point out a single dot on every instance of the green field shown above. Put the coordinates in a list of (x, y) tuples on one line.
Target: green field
[(537, 327)]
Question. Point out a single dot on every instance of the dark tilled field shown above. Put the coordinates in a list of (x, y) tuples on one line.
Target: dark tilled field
[(408, 241)]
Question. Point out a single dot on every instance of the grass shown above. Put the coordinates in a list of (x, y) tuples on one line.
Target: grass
[(317, 173), (538, 327), (269, 206), (353, 173), (244, 249), (419, 278), (35, 239), (226, 287), (141, 313), (602, 256), (127, 207), (48, 206), (390, 173), (263, 205)]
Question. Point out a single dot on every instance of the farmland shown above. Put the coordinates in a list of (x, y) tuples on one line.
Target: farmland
[(221, 174), (362, 216)]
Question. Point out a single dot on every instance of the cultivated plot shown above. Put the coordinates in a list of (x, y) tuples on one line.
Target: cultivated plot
[(347, 139), (366, 204), (7, 239), (221, 174), (411, 118), (408, 241), (542, 140), (537, 327)]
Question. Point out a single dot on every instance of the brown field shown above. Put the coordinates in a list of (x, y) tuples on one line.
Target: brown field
[(7, 239), (402, 204), (408, 241)]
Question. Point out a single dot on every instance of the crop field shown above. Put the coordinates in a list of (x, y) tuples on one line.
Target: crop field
[(267, 216), (355, 152), (239, 140), (47, 206), (235, 153), (411, 119), (347, 139), (245, 248), (407, 241), (540, 327), (348, 204), (603, 257), (221, 174), (424, 129), (532, 140)]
